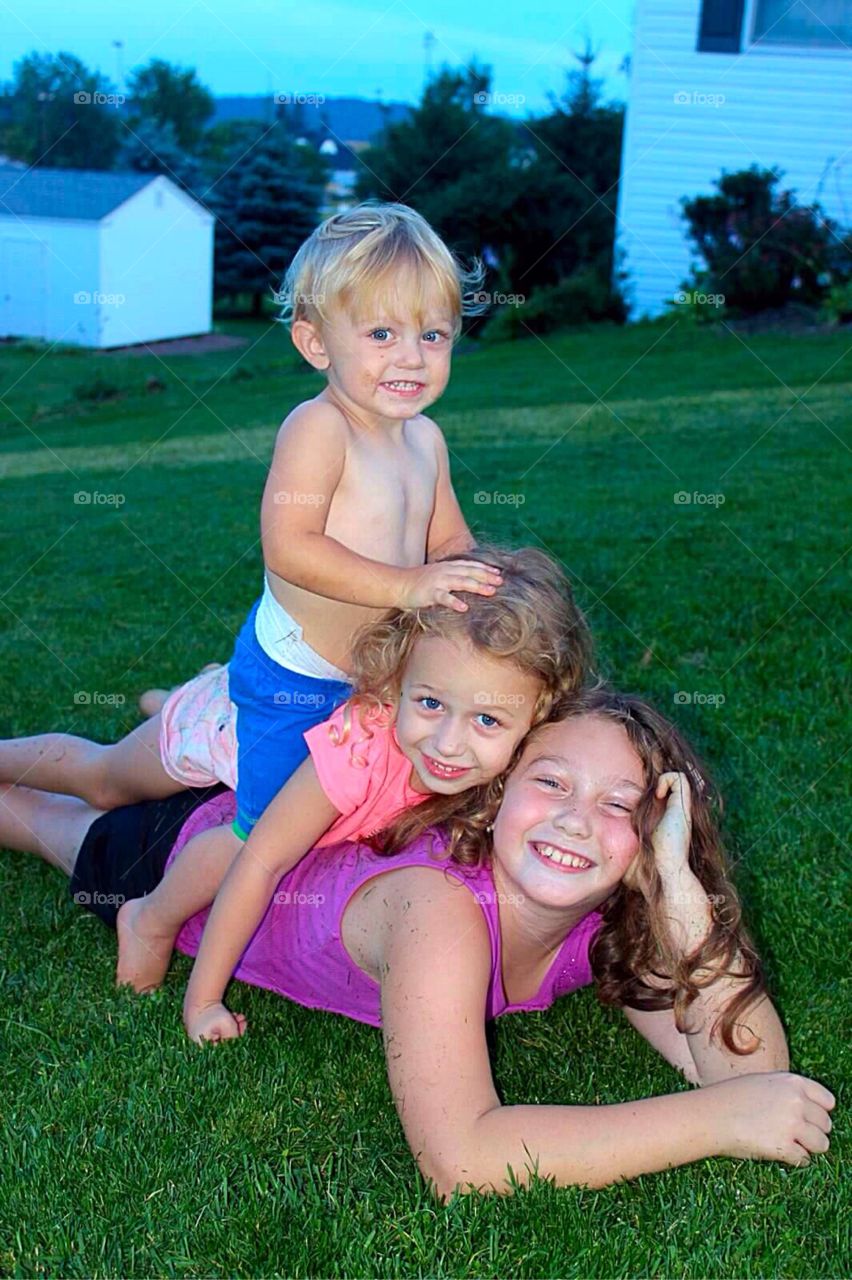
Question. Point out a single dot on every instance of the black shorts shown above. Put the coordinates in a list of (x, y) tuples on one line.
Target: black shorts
[(124, 852)]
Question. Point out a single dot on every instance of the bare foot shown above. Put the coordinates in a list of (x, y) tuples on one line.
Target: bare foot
[(151, 701), (143, 954)]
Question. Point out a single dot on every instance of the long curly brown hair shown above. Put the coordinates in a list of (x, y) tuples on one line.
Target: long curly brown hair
[(531, 621), (633, 939)]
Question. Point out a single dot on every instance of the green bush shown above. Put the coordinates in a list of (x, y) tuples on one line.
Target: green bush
[(579, 299), (761, 248), (837, 307)]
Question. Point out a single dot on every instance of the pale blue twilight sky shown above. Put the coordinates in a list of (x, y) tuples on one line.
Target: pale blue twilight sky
[(333, 47)]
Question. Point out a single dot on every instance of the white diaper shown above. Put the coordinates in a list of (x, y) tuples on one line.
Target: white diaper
[(280, 636)]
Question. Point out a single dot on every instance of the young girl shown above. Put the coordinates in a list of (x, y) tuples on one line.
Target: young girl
[(605, 866), (442, 700)]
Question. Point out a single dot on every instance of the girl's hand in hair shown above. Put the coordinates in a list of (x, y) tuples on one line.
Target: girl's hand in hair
[(673, 832), (686, 900)]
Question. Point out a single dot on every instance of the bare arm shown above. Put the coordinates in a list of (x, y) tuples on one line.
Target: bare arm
[(702, 1062), (294, 821), (448, 529), (435, 966), (306, 468)]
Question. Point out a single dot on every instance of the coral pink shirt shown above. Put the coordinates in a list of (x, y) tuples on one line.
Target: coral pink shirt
[(362, 770)]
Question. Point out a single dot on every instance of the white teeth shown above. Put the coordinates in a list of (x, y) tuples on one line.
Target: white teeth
[(403, 386), (564, 859)]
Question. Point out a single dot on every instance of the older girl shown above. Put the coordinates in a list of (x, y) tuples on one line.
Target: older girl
[(604, 866)]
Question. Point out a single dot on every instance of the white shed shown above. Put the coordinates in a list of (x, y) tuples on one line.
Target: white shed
[(102, 259), (725, 84)]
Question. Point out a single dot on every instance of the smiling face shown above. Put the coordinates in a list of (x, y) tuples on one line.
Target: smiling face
[(563, 836), (387, 363), (461, 714)]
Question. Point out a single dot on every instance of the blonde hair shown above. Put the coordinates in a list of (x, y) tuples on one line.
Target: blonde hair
[(350, 261), (531, 621)]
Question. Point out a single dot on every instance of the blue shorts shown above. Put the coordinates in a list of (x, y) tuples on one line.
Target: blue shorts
[(275, 707)]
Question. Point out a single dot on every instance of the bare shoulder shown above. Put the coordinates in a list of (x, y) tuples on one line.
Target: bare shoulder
[(427, 439), (419, 910), (313, 414), (429, 430)]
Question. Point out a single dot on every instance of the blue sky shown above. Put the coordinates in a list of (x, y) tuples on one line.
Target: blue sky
[(333, 47)]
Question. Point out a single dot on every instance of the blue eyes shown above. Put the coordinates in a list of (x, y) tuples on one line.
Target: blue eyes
[(434, 704), (554, 784), (435, 335)]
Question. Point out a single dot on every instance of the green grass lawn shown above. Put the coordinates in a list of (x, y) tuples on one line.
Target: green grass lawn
[(126, 1151)]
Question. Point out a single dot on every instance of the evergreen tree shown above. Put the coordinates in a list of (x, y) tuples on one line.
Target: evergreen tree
[(266, 205), (153, 148)]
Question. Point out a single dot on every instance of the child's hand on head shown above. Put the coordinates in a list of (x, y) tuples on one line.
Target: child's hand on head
[(435, 583), (213, 1023)]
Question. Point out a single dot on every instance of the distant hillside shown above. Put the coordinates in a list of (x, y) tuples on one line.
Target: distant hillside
[(348, 119)]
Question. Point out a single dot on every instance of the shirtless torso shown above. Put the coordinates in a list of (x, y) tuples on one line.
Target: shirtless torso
[(380, 493)]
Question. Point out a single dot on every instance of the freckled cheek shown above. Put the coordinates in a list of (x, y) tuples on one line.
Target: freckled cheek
[(620, 848)]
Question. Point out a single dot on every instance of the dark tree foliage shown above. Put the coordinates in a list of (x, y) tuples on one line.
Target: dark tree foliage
[(61, 115)]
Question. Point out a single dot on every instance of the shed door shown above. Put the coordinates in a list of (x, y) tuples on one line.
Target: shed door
[(23, 281)]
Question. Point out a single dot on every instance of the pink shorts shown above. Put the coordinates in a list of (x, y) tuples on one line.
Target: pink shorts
[(198, 739)]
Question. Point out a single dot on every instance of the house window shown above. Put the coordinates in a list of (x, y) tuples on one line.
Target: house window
[(720, 26), (813, 23)]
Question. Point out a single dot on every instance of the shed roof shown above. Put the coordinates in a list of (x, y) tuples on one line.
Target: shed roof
[(83, 194)]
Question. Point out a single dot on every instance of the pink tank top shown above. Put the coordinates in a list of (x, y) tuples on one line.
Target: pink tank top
[(297, 950)]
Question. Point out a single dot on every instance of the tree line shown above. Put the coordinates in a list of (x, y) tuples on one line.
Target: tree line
[(537, 197)]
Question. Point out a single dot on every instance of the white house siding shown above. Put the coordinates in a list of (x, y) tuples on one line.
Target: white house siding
[(156, 268), (783, 107), (48, 270)]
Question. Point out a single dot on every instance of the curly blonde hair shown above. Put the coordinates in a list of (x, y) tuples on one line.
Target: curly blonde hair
[(354, 259), (531, 621)]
